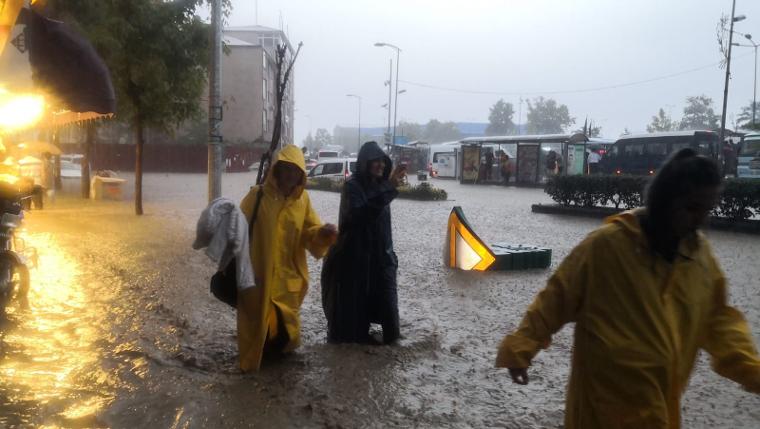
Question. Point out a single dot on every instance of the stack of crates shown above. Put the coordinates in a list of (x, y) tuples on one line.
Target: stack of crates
[(510, 257)]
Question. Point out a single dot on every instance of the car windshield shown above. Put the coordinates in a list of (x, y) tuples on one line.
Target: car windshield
[(750, 148)]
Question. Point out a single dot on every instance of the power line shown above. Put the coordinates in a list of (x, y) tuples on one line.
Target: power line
[(569, 91)]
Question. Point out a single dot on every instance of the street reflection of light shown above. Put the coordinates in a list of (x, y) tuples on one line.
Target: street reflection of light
[(56, 339), (19, 111)]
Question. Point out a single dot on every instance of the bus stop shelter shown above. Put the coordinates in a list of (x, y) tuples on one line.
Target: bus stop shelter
[(530, 157)]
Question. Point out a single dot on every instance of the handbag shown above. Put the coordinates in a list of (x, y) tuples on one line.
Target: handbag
[(224, 283)]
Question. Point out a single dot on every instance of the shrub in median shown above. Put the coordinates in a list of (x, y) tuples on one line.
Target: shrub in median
[(596, 191), (740, 200)]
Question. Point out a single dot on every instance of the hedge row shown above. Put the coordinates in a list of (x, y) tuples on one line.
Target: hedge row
[(740, 200), (422, 192)]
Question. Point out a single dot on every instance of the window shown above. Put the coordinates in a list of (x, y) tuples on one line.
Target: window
[(264, 122), (657, 149), (333, 168), (264, 59), (634, 149), (750, 148), (681, 144), (318, 170), (264, 91)]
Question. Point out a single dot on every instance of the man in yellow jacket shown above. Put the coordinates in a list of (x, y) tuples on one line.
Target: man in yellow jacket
[(285, 227), (645, 293)]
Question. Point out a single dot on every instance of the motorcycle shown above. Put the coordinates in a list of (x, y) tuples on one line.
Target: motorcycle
[(14, 263)]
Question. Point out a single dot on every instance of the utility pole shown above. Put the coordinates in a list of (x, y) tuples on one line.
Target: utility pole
[(728, 75), (215, 106), (390, 94)]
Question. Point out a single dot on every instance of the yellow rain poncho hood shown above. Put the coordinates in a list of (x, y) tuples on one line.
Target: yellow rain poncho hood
[(285, 228), (639, 322)]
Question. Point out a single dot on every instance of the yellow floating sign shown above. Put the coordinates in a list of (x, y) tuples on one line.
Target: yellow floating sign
[(464, 249)]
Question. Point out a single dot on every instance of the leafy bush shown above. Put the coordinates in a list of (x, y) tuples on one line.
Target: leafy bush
[(740, 200), (422, 192), (595, 191)]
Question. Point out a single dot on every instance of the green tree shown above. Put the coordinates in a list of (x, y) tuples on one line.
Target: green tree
[(744, 120), (698, 114), (661, 122), (310, 143), (411, 130), (545, 116), (500, 119), (322, 138), (438, 132), (158, 55)]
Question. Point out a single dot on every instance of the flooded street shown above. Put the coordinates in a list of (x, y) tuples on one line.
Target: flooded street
[(122, 331)]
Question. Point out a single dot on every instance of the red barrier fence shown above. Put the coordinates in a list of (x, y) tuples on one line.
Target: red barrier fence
[(166, 158)]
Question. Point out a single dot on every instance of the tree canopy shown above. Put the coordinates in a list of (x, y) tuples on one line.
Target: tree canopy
[(546, 116), (500, 119)]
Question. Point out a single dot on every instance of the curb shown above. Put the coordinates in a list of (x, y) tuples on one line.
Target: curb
[(715, 223)]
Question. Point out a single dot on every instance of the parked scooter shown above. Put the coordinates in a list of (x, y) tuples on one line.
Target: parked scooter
[(14, 268)]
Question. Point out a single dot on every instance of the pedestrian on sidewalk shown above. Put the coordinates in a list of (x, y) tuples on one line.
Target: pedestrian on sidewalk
[(286, 226), (646, 294), (506, 168), (359, 273)]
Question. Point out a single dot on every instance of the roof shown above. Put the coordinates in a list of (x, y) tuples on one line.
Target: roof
[(666, 134), (233, 41), (545, 138), (253, 28)]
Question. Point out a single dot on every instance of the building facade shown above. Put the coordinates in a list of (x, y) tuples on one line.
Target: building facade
[(249, 86)]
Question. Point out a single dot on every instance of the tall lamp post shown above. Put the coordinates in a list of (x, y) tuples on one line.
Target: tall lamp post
[(395, 107), (754, 90), (734, 19), (359, 133)]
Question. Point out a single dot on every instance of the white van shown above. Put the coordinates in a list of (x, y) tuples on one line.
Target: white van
[(748, 158), (333, 168)]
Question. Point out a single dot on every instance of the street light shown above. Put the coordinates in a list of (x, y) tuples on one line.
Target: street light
[(754, 91), (395, 107), (359, 138)]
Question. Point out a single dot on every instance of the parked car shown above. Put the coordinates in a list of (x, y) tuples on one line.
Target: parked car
[(334, 168)]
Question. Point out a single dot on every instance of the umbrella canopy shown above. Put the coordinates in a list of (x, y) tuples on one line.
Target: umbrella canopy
[(38, 147), (67, 65)]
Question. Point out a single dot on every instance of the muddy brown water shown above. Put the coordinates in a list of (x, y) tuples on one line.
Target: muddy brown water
[(123, 333)]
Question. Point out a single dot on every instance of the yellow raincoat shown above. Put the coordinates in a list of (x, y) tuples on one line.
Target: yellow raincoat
[(284, 229), (639, 322)]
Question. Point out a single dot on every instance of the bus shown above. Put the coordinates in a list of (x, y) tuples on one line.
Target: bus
[(643, 154), (748, 159)]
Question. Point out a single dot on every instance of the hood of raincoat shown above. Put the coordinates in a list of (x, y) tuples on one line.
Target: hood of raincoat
[(371, 151), (293, 155), (630, 222)]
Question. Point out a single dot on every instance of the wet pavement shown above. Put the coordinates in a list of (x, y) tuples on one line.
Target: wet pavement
[(122, 331)]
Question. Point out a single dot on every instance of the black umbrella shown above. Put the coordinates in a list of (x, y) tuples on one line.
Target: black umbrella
[(66, 64)]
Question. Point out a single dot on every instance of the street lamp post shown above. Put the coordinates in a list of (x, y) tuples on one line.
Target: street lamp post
[(395, 107), (359, 138), (734, 19), (754, 89)]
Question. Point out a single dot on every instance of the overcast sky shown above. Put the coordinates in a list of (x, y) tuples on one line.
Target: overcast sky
[(511, 47)]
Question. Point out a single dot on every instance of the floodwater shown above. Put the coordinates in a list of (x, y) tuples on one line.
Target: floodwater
[(122, 331)]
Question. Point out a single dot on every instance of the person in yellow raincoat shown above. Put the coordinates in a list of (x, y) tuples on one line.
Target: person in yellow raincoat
[(286, 227), (645, 293)]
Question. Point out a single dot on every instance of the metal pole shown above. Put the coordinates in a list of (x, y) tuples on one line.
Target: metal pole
[(754, 91), (728, 77), (390, 99), (215, 106), (395, 107)]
